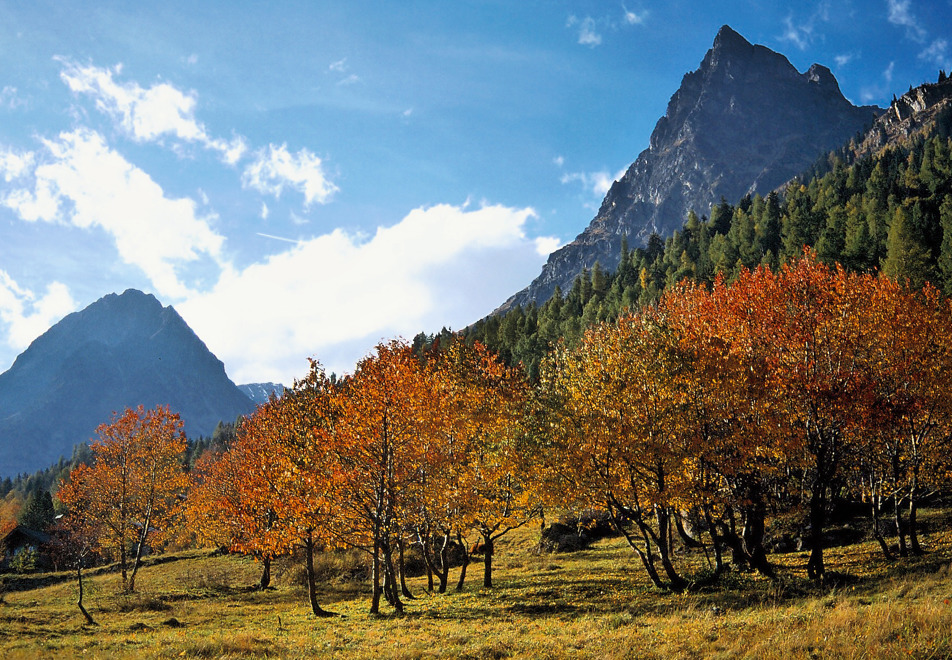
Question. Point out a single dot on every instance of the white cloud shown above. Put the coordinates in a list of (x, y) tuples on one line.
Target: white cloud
[(10, 98), (149, 114), (798, 35), (340, 66), (874, 93), (900, 13), (336, 295), (349, 80), (937, 53), (587, 34), (82, 182), (597, 183), (25, 315), (546, 245), (275, 168), (844, 59), (634, 18), (14, 165)]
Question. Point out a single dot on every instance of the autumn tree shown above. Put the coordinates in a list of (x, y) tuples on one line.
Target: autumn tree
[(735, 459), (616, 442), (484, 432), (906, 448), (384, 410), (129, 496), (270, 491)]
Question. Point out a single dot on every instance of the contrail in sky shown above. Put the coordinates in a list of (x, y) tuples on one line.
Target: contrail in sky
[(278, 238)]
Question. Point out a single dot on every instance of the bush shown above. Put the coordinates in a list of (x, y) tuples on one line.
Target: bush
[(24, 560)]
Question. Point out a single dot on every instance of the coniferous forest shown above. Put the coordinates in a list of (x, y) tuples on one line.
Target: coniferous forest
[(889, 212)]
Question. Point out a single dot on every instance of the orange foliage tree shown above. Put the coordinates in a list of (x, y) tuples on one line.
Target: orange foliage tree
[(271, 490), (615, 414), (483, 432), (130, 495), (384, 413)]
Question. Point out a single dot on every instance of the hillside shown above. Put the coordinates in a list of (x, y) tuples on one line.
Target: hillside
[(122, 351), (593, 603)]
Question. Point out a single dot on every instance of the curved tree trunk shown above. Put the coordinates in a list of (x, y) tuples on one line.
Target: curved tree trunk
[(404, 589), (79, 602), (311, 586), (462, 570)]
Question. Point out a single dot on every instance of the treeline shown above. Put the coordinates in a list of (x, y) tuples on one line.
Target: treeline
[(729, 406), (890, 213), (404, 451), (705, 418), (30, 499)]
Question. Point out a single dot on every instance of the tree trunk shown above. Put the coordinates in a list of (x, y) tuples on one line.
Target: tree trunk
[(664, 550), (311, 586), (79, 602), (265, 581), (900, 528), (645, 557), (755, 529), (375, 578), (139, 549), (444, 573), (392, 596), (122, 563), (404, 589), (717, 542), (913, 510), (462, 570), (487, 561), (815, 567), (875, 506)]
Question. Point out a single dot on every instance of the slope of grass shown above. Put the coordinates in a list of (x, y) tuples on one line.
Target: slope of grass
[(590, 604)]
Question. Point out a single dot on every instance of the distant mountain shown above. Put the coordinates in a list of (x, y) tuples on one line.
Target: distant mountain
[(121, 351), (261, 392), (745, 121)]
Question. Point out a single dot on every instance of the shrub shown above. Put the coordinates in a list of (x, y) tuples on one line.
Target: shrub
[(24, 559)]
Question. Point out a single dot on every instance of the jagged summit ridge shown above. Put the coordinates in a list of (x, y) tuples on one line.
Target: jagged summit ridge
[(745, 121)]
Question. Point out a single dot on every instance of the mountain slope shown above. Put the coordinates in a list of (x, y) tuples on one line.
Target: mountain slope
[(121, 351), (745, 121)]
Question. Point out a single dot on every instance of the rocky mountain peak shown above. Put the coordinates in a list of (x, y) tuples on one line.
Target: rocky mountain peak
[(746, 121), (121, 351)]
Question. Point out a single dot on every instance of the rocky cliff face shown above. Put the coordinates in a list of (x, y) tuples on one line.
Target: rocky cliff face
[(913, 112), (121, 351), (745, 121)]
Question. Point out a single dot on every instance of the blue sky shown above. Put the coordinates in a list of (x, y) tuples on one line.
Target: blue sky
[(305, 179)]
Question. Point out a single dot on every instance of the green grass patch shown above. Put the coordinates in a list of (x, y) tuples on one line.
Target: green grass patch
[(594, 603)]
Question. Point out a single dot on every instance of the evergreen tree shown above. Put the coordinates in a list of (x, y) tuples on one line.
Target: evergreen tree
[(945, 253), (906, 257), (38, 512)]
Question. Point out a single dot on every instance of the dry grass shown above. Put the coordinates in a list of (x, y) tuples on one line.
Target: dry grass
[(590, 604)]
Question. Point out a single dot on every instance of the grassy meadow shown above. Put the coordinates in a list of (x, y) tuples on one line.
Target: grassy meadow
[(595, 603)]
